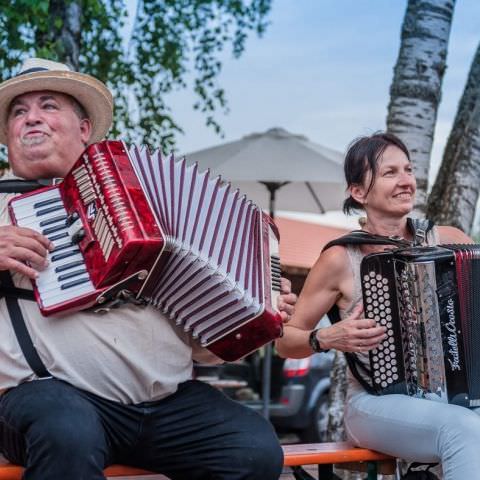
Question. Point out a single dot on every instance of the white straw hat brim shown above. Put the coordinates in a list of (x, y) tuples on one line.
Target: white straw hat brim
[(91, 93)]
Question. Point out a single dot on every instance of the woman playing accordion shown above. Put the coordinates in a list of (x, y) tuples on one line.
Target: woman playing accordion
[(381, 183)]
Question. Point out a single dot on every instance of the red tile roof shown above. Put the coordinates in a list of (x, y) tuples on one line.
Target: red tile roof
[(301, 242)]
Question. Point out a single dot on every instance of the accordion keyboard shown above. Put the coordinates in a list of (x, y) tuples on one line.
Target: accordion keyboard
[(66, 276)]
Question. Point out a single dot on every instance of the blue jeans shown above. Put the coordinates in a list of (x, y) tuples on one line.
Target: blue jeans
[(417, 430), (58, 431)]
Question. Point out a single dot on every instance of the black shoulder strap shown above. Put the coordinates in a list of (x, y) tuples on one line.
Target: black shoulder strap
[(12, 293), (21, 331), (420, 228), (359, 237), (17, 186)]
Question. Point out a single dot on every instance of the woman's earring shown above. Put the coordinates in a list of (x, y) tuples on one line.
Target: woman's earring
[(362, 221)]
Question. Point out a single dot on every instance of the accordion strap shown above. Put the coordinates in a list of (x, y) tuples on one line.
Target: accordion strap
[(20, 329), (7, 288), (12, 293), (16, 185)]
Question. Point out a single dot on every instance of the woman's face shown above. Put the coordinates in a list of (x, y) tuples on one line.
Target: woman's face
[(393, 191)]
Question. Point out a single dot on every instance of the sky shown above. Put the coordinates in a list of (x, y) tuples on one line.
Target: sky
[(323, 69)]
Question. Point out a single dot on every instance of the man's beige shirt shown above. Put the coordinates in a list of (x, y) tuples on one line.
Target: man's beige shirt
[(129, 355)]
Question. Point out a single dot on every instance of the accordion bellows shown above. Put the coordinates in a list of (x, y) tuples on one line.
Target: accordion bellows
[(182, 241), (426, 298)]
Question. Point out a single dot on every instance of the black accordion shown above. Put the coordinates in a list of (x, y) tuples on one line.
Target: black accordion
[(427, 299)]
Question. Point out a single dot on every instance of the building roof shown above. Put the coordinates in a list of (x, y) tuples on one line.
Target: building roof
[(301, 242)]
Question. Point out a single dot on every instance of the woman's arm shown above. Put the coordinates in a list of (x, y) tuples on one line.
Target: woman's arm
[(326, 285), (452, 235)]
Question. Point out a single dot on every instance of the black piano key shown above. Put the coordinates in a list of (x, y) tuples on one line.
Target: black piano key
[(72, 218), (61, 256), (44, 203), (56, 228), (66, 276), (68, 266), (46, 211), (74, 283), (58, 236), (60, 218)]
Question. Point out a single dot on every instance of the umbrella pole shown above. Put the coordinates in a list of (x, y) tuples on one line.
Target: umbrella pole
[(266, 377), (267, 358)]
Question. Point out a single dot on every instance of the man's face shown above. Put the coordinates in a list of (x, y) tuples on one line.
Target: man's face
[(45, 136)]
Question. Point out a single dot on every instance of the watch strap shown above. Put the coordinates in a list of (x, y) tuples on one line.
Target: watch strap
[(314, 342)]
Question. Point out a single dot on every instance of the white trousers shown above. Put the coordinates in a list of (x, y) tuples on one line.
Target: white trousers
[(417, 430)]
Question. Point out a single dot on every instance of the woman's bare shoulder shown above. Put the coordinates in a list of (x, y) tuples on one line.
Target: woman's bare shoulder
[(333, 261), (449, 234)]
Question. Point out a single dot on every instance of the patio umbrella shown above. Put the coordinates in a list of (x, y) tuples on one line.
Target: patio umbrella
[(278, 170)]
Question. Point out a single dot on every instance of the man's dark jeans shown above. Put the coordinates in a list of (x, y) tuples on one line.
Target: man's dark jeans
[(59, 432)]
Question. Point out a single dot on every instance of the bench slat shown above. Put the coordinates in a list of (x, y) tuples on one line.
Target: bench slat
[(14, 472), (295, 455), (320, 453)]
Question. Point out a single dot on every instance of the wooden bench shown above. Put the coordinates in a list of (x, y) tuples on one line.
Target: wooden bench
[(342, 455), (325, 455)]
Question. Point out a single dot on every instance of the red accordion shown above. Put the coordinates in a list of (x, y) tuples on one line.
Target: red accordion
[(131, 225)]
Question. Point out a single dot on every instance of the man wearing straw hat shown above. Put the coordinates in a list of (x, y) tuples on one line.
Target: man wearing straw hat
[(109, 389)]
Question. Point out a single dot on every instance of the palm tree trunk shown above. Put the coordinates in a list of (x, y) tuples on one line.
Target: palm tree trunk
[(416, 88), (455, 192)]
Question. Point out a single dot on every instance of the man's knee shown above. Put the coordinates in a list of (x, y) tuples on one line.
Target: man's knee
[(53, 418), (266, 462), (262, 456), (67, 431)]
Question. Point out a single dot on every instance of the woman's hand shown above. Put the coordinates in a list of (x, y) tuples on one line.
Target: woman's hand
[(287, 300), (19, 245), (353, 334)]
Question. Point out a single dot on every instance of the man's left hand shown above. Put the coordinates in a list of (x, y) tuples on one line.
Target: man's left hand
[(286, 300)]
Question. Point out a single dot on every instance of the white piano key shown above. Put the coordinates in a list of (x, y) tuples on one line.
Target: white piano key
[(66, 295), (49, 274), (33, 221), (47, 195), (56, 286)]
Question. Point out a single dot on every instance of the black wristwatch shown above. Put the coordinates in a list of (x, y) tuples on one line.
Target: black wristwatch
[(314, 343)]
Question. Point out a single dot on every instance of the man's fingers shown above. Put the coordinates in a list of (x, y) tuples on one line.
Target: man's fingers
[(27, 255), (16, 266), (38, 243)]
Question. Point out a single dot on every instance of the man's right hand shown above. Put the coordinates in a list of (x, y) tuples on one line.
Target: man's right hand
[(19, 245)]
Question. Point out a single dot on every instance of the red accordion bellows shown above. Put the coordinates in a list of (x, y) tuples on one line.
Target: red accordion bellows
[(134, 224)]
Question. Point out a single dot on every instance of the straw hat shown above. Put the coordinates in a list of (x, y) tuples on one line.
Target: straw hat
[(38, 74)]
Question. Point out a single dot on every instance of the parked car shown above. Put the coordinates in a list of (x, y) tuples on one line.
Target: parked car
[(299, 390)]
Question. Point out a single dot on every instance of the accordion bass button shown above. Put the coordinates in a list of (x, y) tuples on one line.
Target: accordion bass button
[(238, 336)]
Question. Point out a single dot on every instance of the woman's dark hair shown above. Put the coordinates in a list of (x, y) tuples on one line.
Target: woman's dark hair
[(362, 156)]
